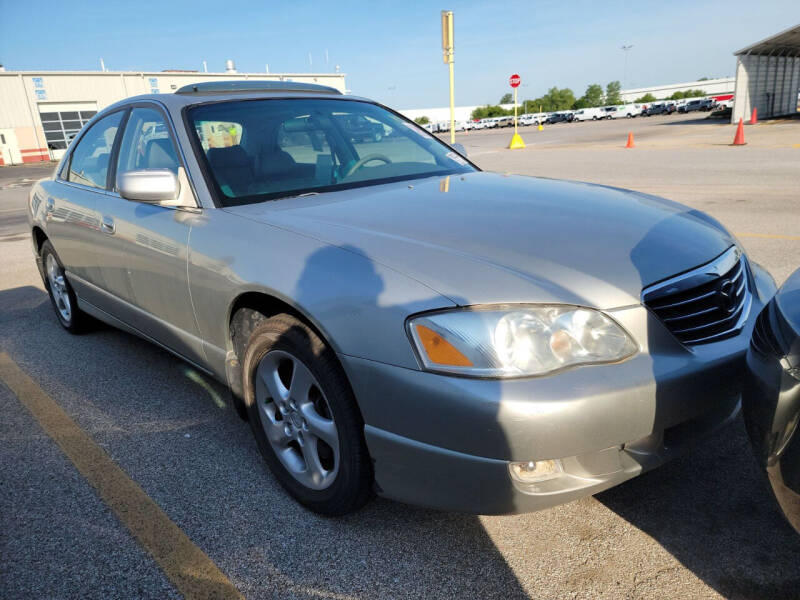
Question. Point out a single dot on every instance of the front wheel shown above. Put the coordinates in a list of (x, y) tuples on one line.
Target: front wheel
[(305, 418), (62, 297)]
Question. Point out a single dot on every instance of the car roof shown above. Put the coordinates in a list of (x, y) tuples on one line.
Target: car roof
[(201, 93)]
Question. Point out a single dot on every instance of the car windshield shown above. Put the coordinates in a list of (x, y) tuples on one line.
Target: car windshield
[(256, 150)]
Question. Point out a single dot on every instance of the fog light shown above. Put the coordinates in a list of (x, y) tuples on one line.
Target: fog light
[(535, 470)]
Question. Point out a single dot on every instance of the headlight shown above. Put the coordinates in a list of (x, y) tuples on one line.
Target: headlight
[(518, 341)]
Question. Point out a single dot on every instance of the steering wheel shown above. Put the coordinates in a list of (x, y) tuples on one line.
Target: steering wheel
[(368, 158)]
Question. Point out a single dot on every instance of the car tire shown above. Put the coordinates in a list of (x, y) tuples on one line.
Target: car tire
[(312, 435), (62, 296)]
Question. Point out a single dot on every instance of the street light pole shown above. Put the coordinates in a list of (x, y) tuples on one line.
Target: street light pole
[(625, 49)]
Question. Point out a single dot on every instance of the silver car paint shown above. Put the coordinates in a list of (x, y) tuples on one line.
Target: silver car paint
[(357, 263)]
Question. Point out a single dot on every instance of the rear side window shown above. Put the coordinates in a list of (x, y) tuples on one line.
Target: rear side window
[(89, 161), (146, 143)]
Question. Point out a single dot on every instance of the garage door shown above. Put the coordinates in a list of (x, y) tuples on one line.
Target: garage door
[(61, 126)]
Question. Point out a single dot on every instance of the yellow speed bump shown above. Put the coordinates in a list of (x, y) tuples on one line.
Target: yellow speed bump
[(189, 569)]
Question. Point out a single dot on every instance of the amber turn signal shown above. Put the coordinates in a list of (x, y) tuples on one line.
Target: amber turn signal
[(439, 350)]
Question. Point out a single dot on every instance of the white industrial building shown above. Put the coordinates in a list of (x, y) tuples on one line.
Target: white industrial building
[(768, 77), (712, 87), (41, 111)]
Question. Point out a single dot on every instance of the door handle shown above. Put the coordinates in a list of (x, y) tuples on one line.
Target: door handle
[(107, 225), (50, 205)]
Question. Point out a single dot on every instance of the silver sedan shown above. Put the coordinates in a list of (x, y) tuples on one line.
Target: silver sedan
[(389, 318)]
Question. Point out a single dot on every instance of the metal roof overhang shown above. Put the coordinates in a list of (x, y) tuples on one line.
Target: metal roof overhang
[(785, 43)]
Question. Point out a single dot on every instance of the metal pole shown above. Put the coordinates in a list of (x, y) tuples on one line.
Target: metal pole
[(515, 111), (452, 103), (447, 54)]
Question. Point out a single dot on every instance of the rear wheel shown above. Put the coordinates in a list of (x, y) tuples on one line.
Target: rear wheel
[(305, 418), (62, 297)]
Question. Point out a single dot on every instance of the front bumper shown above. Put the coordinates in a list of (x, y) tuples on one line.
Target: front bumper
[(446, 442), (771, 406)]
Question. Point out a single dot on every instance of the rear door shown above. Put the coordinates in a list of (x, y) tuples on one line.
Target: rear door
[(146, 251), (72, 221)]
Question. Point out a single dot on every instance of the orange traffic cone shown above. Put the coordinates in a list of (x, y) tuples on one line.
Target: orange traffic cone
[(739, 139), (630, 140), (754, 116)]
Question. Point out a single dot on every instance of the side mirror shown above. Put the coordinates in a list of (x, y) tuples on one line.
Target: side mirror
[(150, 185), (459, 147)]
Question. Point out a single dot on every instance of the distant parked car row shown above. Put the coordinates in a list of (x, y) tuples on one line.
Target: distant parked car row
[(624, 111), (703, 104)]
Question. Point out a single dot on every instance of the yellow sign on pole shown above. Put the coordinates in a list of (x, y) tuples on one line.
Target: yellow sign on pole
[(447, 55)]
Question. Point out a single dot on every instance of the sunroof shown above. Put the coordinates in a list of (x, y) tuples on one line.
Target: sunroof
[(208, 87)]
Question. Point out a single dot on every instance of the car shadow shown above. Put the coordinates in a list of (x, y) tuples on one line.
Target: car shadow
[(699, 120), (711, 507), (221, 493), (713, 511)]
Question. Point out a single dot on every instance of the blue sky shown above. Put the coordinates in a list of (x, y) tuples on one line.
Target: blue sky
[(391, 51)]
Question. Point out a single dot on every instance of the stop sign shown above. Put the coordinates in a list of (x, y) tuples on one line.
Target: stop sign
[(514, 80)]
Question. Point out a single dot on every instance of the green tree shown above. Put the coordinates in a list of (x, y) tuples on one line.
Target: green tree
[(613, 95), (484, 112), (687, 94), (423, 120), (507, 98), (648, 97), (593, 95), (581, 102), (556, 99)]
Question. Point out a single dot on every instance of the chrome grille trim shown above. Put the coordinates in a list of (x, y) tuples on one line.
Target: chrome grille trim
[(705, 304)]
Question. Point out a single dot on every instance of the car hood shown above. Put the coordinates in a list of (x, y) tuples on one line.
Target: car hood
[(491, 238)]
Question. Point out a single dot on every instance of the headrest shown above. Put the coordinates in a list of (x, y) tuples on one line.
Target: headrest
[(232, 156)]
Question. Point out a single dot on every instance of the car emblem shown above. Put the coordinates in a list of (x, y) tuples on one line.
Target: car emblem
[(726, 297)]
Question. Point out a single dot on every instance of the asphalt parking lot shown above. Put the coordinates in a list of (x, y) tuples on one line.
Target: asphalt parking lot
[(703, 526)]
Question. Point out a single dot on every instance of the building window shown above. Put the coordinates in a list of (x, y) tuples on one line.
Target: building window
[(61, 127)]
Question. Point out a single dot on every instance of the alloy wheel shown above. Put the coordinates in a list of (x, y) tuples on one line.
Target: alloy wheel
[(297, 419), (58, 287)]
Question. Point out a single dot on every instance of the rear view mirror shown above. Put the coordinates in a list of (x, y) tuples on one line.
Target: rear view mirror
[(150, 185), (459, 147)]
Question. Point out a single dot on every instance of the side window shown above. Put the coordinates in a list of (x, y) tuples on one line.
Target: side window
[(146, 143), (89, 161)]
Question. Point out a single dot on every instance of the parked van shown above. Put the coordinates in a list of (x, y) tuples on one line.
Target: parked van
[(588, 114), (628, 111)]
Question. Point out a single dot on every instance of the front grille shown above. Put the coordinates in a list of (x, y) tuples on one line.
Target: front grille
[(706, 304)]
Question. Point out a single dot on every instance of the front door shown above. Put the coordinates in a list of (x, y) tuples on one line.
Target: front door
[(149, 244)]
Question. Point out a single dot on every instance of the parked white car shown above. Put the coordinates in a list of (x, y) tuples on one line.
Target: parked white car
[(530, 119)]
